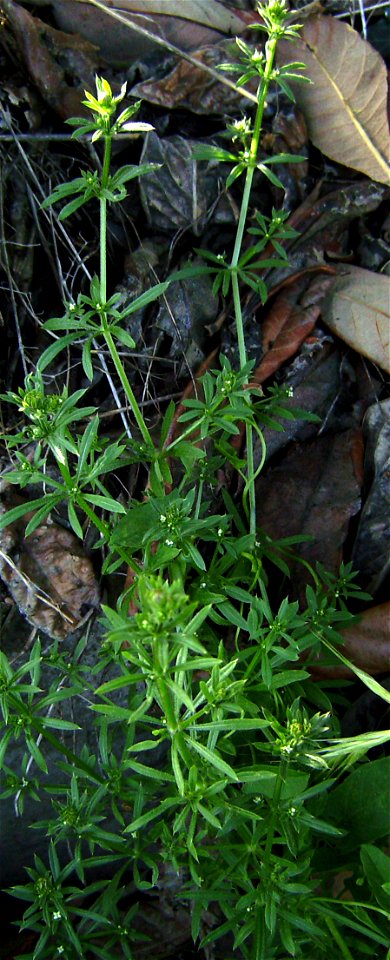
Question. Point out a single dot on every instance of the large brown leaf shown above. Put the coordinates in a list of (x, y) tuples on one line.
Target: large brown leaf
[(357, 309), (47, 574), (51, 57), (346, 105), (315, 491), (366, 644), (125, 30)]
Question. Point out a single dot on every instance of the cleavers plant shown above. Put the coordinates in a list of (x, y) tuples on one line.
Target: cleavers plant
[(215, 749)]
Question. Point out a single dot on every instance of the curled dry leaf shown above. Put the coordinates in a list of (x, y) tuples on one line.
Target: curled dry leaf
[(48, 576), (194, 88), (184, 315), (323, 221), (346, 105), (357, 310), (183, 192), (50, 55), (290, 320)]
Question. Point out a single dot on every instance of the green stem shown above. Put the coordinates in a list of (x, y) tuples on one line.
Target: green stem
[(199, 498), (172, 723), (252, 161), (103, 293), (339, 939), (280, 779), (126, 385)]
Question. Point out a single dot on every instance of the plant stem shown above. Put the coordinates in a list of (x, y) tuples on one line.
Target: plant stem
[(126, 385), (339, 939), (280, 779), (262, 92), (103, 293)]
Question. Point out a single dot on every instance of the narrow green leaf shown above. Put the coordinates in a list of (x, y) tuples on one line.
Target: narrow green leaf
[(177, 769), (71, 207), (106, 503), (86, 360), (74, 521), (212, 758), (140, 302), (270, 175), (146, 818), (368, 681), (55, 348)]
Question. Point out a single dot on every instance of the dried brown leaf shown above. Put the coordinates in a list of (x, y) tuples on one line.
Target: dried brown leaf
[(366, 644), (289, 321), (182, 194), (314, 491), (346, 105), (124, 32), (194, 88), (48, 576), (50, 55), (357, 310)]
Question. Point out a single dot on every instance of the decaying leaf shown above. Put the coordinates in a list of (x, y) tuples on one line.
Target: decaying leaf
[(323, 220), (188, 307), (48, 576), (183, 192), (371, 550), (357, 309), (346, 105), (50, 56), (289, 135), (315, 380), (187, 25), (289, 321), (193, 88), (314, 491), (366, 644)]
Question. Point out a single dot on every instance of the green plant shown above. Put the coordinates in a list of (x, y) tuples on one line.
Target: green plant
[(216, 751)]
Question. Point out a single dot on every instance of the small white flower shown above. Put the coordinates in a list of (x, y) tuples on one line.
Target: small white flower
[(57, 915), (220, 532), (162, 518), (168, 543), (60, 949)]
